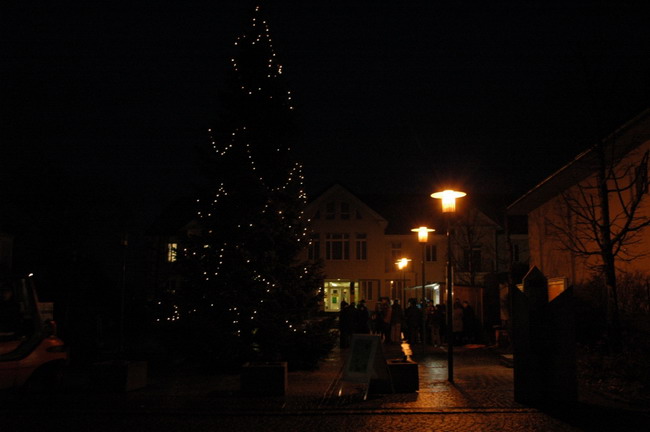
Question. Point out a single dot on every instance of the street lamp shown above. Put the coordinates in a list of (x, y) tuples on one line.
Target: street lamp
[(423, 237), (448, 198), (401, 265)]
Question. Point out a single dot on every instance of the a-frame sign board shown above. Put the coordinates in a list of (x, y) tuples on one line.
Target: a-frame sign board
[(366, 361)]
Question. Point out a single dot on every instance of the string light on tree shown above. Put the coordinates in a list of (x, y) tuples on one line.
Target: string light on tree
[(253, 219)]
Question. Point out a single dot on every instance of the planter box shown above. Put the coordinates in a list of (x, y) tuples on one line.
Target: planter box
[(119, 376), (264, 379), (404, 374)]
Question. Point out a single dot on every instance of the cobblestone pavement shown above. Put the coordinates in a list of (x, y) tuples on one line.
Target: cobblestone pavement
[(299, 422), (480, 399)]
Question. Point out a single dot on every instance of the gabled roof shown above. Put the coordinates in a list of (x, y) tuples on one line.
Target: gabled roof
[(402, 212), (406, 211), (622, 141), (337, 190)]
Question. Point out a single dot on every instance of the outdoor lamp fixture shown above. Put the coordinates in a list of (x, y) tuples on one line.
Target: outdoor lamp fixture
[(423, 237), (401, 265), (423, 233), (448, 198)]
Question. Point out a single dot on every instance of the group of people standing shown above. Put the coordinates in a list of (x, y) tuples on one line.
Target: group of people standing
[(385, 321), (418, 323), (465, 324)]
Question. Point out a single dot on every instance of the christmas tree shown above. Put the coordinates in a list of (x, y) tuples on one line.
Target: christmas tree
[(243, 278)]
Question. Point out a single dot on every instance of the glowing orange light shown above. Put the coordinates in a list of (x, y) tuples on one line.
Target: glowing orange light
[(402, 263), (448, 198), (423, 233)]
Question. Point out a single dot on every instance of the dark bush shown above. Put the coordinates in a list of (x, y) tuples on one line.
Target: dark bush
[(310, 344)]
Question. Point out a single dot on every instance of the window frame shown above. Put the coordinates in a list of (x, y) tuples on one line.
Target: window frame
[(337, 246), (313, 250), (361, 246), (431, 252)]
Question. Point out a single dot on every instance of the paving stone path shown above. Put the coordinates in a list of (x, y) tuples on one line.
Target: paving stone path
[(480, 399)]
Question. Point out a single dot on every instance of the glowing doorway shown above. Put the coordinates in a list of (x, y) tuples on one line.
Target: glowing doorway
[(335, 292)]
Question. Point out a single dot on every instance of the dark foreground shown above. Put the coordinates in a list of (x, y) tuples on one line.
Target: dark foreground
[(481, 399)]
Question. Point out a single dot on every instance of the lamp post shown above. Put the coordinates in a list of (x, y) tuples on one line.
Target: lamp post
[(448, 198), (401, 265), (423, 237)]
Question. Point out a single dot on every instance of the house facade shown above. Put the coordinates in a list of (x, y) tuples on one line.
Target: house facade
[(563, 210), (362, 239)]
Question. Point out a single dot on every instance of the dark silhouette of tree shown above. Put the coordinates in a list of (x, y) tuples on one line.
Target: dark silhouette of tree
[(472, 232), (599, 218), (243, 277)]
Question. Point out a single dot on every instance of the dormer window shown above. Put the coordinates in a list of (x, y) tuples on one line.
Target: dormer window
[(345, 210), (330, 210)]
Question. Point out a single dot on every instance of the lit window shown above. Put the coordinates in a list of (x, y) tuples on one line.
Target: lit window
[(172, 249)]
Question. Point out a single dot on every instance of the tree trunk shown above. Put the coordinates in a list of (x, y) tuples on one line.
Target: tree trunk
[(607, 253)]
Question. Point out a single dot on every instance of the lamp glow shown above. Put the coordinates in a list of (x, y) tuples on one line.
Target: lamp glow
[(402, 263), (423, 233), (448, 198)]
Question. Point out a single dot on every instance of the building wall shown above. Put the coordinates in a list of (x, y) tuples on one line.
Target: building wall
[(554, 260), (411, 248), (337, 211), (546, 251)]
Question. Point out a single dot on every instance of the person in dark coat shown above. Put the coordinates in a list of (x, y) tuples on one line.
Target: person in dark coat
[(436, 320), (457, 321), (396, 319), (386, 315), (442, 308), (346, 324), (361, 318), (413, 320)]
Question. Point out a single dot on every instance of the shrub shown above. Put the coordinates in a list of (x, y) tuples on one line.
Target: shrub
[(310, 344)]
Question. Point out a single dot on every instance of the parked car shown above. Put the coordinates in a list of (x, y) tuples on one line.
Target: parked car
[(31, 355)]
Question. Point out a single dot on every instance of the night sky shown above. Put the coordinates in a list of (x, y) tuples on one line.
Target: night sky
[(109, 99)]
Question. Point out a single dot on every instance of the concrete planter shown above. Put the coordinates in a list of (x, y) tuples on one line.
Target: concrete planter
[(264, 379), (404, 374)]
